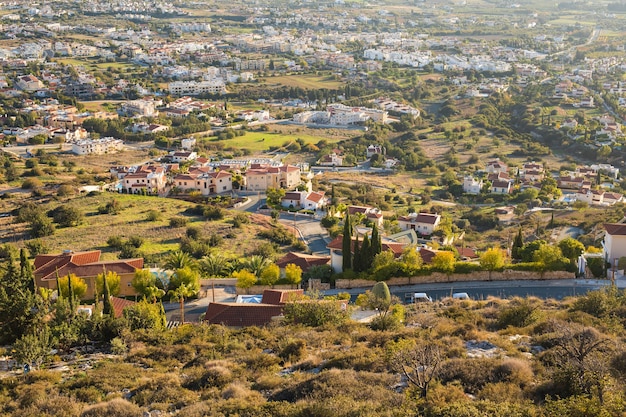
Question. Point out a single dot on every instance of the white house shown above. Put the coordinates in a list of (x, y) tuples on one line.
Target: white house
[(97, 146), (178, 157), (309, 200), (501, 187), (423, 223), (614, 243), (472, 186)]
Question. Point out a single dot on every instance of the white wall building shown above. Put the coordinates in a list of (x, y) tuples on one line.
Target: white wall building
[(97, 146)]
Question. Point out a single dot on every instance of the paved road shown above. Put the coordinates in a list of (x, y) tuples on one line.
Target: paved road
[(479, 290), (314, 235)]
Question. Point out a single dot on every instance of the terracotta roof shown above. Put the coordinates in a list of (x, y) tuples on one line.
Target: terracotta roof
[(612, 196), (427, 255), (466, 252), (119, 304), (501, 184), (426, 218), (47, 264), (279, 297), (292, 196), (239, 315), (315, 197), (304, 261), (395, 247), (615, 229), (82, 264)]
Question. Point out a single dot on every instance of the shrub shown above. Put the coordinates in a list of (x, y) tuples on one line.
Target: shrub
[(32, 184), (213, 213), (115, 242), (315, 313), (293, 351), (65, 190), (521, 313), (135, 241), (114, 408), (153, 215), (178, 221), (240, 219)]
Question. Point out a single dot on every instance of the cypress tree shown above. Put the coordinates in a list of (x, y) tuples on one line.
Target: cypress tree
[(107, 307), (346, 247), (366, 254), (358, 256), (518, 243), (70, 293), (26, 272), (377, 246)]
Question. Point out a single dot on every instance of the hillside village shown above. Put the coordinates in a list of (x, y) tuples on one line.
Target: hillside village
[(294, 209)]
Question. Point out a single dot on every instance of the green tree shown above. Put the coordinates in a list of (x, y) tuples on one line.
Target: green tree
[(113, 281), (186, 276), (67, 216), (77, 285), (144, 315), (214, 265), (518, 244), (180, 293), (245, 278), (548, 256), (346, 246), (178, 260), (274, 196), (571, 248), (492, 260), (41, 226), (443, 261), (270, 274), (255, 264), (293, 274), (383, 259), (17, 303), (107, 307), (33, 348), (27, 277)]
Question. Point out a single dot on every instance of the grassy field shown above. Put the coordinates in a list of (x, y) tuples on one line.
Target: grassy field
[(312, 82), (280, 135), (159, 237)]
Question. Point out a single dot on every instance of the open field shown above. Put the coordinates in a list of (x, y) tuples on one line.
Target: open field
[(313, 82), (159, 237)]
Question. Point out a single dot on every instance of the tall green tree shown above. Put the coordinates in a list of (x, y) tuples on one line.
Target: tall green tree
[(518, 244), (366, 254), (107, 307), (346, 244), (356, 256), (26, 271), (17, 304), (376, 243)]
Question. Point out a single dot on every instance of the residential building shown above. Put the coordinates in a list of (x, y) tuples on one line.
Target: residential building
[(309, 200), (501, 187), (304, 261), (423, 223), (496, 167), (331, 159), (29, 83), (372, 214), (86, 265), (260, 178), (182, 156), (614, 243), (212, 182), (193, 88), (147, 178), (251, 314), (373, 150), (97, 146), (472, 185)]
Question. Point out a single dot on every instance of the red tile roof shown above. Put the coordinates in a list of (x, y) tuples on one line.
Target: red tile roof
[(119, 304), (304, 261), (239, 315), (279, 297), (615, 229), (395, 247), (82, 264)]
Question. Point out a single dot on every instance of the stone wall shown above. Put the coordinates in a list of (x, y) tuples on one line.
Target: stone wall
[(438, 277), (258, 289)]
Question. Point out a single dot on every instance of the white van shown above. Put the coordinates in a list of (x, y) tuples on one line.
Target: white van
[(460, 296), (417, 297)]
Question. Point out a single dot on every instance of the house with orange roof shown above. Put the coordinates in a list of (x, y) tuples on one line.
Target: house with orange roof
[(251, 314), (86, 265), (423, 223)]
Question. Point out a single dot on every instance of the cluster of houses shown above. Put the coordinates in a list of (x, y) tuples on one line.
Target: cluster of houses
[(209, 178), (580, 185), (341, 115)]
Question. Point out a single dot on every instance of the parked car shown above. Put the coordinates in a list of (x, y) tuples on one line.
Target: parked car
[(417, 297), (460, 296)]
